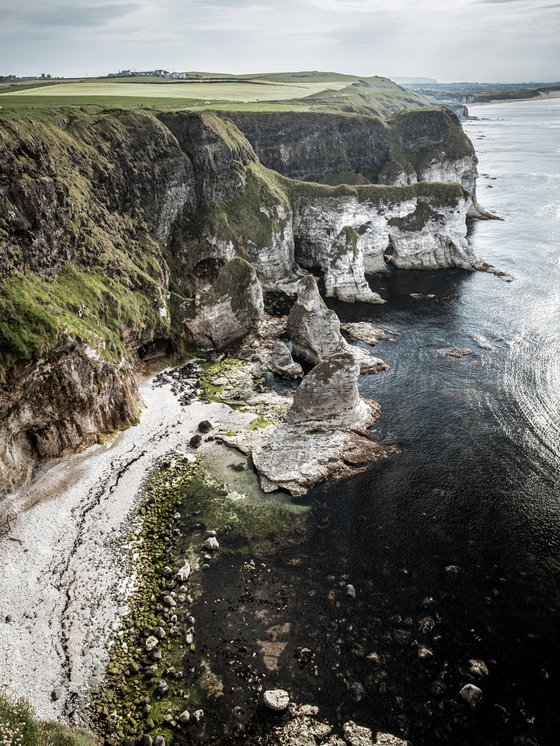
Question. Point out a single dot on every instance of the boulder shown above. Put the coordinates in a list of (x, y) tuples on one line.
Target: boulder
[(229, 310), (276, 699), (471, 694)]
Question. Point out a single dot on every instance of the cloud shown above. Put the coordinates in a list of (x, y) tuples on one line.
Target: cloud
[(508, 40), (69, 15)]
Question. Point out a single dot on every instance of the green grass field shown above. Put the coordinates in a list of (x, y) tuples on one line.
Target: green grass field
[(304, 91)]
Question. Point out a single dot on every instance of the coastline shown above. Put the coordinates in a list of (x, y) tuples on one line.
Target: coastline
[(541, 97)]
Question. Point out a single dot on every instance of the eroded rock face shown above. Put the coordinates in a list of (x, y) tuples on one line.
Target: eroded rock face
[(282, 363), (229, 310), (59, 404), (348, 237), (315, 330)]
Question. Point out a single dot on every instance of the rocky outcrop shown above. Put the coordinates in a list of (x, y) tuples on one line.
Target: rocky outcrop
[(329, 395), (323, 433), (124, 228), (281, 362), (59, 404), (229, 310), (315, 330)]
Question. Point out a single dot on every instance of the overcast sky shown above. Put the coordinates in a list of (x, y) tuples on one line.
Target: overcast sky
[(486, 40)]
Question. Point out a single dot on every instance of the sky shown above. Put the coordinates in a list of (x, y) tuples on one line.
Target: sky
[(450, 40)]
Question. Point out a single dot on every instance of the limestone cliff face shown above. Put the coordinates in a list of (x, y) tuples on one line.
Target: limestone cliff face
[(243, 209), (80, 184), (59, 403), (349, 235), (410, 146), (229, 310)]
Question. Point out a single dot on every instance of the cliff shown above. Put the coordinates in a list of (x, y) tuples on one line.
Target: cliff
[(115, 226)]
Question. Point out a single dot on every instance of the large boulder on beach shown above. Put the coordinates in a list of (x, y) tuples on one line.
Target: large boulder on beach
[(229, 310)]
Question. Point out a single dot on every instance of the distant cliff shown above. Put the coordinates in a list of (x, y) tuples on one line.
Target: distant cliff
[(113, 223)]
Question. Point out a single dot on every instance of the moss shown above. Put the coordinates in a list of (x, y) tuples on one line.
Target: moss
[(253, 218), (260, 423), (175, 485), (99, 309), (417, 220), (440, 195)]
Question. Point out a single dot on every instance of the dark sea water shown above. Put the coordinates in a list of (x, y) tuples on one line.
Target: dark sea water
[(477, 485)]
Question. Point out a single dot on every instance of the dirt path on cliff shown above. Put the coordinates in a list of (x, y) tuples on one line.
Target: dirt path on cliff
[(63, 570)]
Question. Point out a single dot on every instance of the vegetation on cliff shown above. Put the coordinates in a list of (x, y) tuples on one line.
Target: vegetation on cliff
[(19, 727)]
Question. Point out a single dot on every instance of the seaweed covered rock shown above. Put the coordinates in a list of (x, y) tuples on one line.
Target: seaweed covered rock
[(229, 310)]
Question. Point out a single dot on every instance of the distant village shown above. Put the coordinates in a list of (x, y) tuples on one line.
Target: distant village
[(149, 74)]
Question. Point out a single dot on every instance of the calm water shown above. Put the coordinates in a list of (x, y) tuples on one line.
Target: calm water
[(477, 484)]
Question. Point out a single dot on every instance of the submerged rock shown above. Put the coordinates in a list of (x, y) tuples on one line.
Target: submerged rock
[(276, 699), (230, 309), (471, 694)]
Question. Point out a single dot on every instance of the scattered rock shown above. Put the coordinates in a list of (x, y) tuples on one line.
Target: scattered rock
[(425, 653), (198, 715), (184, 573), (276, 699), (195, 441), (357, 735), (211, 544), (471, 694), (151, 642), (477, 668), (205, 426), (163, 687), (184, 717), (350, 591), (169, 601), (455, 352)]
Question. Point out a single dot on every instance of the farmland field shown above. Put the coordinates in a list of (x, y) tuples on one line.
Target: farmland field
[(242, 91)]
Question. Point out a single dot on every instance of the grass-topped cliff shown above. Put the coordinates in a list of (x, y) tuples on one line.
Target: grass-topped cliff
[(106, 217)]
